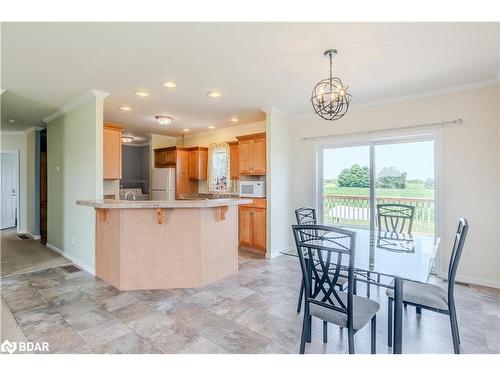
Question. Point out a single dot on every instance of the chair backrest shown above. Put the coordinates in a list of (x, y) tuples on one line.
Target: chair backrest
[(305, 215), (330, 249), (456, 253), (394, 217)]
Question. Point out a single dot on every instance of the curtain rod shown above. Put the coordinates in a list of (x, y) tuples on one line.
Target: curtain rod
[(451, 122)]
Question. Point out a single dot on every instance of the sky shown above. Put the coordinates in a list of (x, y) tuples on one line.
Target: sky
[(414, 158)]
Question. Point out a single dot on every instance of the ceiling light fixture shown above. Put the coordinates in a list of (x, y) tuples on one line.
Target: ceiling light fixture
[(11, 120), (127, 139), (164, 120), (211, 127), (214, 94), (186, 130), (142, 93), (125, 108), (329, 97), (169, 85), (234, 119)]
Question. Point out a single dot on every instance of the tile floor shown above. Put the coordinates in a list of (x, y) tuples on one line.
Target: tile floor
[(251, 312)]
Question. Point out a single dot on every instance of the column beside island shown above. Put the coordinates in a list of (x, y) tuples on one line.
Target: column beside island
[(165, 244)]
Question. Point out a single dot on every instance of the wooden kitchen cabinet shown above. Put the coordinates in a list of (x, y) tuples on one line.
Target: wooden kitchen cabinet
[(252, 226), (184, 187), (112, 151), (234, 161), (252, 154), (198, 163), (165, 157)]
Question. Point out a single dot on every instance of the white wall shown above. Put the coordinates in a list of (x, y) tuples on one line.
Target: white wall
[(471, 166), (279, 182), (16, 141)]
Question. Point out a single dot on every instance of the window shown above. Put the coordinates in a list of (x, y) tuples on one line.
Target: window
[(218, 167)]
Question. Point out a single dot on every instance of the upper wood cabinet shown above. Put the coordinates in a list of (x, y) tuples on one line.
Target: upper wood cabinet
[(165, 157), (112, 151), (198, 163), (252, 154), (234, 161)]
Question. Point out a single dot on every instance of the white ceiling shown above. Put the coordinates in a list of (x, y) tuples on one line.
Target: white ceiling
[(254, 65)]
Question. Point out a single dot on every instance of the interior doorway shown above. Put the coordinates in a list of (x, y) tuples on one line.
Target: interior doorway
[(9, 189)]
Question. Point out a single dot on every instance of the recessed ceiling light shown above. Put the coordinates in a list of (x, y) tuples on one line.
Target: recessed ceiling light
[(142, 93), (214, 94), (125, 108), (211, 127), (164, 120), (127, 139), (186, 130), (234, 119), (169, 84), (11, 120)]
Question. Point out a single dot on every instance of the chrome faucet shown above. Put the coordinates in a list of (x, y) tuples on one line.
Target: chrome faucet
[(130, 192)]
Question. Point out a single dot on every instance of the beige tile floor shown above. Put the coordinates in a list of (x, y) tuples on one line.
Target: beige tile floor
[(251, 312), (18, 256)]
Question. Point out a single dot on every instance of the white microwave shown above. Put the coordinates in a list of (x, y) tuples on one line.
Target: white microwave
[(252, 189)]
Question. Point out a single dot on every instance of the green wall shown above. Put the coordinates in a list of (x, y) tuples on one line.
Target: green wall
[(74, 162)]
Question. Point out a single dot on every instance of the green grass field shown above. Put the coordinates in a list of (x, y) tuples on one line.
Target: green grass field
[(413, 190)]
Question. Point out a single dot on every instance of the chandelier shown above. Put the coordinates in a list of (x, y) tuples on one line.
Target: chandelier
[(329, 97)]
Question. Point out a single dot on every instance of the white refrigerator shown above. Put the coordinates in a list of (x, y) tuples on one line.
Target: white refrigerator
[(163, 184)]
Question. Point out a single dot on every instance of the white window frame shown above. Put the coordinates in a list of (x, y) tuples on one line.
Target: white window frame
[(372, 139)]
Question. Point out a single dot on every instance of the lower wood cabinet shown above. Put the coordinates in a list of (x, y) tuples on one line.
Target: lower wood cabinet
[(252, 225)]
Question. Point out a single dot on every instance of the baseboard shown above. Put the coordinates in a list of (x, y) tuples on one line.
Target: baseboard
[(477, 281), (78, 263), (34, 236)]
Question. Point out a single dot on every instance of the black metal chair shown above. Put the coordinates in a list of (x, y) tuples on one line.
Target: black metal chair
[(395, 217), (321, 252), (432, 297), (307, 216)]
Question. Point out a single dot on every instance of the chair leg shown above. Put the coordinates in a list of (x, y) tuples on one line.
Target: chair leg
[(453, 311), (325, 331), (368, 285), (350, 340), (303, 336), (419, 310), (389, 323), (355, 287), (301, 294), (405, 305), (454, 334), (378, 278), (374, 335), (309, 328)]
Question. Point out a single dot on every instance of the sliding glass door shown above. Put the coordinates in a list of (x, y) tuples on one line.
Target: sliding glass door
[(355, 178)]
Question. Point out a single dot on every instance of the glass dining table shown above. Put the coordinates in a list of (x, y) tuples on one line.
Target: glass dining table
[(396, 256)]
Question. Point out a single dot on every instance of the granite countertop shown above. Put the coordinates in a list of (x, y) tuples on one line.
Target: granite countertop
[(201, 203)]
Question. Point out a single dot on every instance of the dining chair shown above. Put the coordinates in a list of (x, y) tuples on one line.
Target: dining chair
[(433, 297), (394, 218), (307, 216), (323, 252)]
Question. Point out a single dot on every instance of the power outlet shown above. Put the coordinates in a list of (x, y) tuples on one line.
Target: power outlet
[(72, 242)]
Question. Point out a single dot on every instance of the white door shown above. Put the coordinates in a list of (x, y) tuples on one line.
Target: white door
[(8, 189)]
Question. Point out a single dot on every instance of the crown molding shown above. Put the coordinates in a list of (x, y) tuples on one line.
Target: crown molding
[(421, 95), (91, 94)]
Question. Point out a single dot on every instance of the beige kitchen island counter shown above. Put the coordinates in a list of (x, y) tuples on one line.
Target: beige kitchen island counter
[(165, 244)]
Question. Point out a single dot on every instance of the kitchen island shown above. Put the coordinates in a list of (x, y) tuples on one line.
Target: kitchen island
[(165, 244)]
